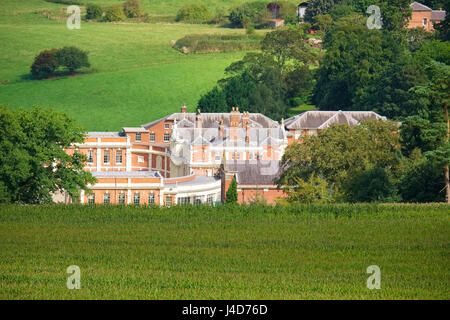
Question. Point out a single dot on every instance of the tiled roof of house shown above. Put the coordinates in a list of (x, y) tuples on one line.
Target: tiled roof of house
[(415, 6), (438, 15), (325, 119), (255, 172)]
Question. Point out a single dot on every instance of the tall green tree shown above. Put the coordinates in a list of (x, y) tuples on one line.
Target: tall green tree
[(354, 56), (338, 153), (317, 7), (232, 196), (33, 162)]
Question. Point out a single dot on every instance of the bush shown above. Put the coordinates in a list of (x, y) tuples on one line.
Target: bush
[(93, 12), (44, 64), (207, 43), (114, 13), (372, 185), (220, 17), (247, 13), (132, 8), (288, 12), (72, 58), (193, 13)]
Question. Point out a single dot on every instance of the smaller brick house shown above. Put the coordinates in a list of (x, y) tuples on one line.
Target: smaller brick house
[(425, 17)]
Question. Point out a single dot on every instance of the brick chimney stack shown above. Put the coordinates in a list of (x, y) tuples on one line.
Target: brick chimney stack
[(183, 109), (198, 119), (221, 128), (235, 117), (245, 125)]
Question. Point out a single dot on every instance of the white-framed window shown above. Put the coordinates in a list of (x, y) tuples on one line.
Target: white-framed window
[(106, 198), (138, 137), (218, 157), (238, 155), (210, 199), (106, 156), (250, 156), (184, 200), (140, 159), (424, 21), (119, 157), (233, 156), (197, 200), (91, 199), (166, 126), (168, 201), (121, 198), (91, 156), (152, 137), (166, 137), (137, 198), (151, 198)]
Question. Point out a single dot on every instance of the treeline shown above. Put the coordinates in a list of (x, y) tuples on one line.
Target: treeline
[(400, 73), (269, 82)]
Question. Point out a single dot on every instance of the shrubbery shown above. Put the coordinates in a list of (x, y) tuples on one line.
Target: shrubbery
[(132, 8), (247, 13), (72, 58), (44, 64), (206, 43), (48, 61), (194, 13), (93, 12), (114, 13)]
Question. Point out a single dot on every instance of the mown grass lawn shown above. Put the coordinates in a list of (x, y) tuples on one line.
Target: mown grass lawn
[(303, 252), (135, 77)]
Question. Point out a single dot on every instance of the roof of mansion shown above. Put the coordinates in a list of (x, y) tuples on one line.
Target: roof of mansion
[(325, 119)]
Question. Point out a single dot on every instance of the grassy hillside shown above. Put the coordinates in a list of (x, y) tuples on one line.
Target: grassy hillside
[(136, 75), (305, 252)]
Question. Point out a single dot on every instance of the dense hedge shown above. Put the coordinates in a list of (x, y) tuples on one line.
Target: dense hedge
[(206, 43)]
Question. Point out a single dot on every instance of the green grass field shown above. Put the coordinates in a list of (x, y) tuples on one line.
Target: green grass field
[(136, 76), (304, 252)]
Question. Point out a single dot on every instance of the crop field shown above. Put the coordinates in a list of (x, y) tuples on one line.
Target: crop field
[(135, 76), (249, 252)]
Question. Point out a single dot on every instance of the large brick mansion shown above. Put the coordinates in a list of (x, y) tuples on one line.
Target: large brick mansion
[(192, 157)]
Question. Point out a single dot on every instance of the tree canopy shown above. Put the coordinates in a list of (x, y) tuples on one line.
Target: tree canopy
[(33, 162)]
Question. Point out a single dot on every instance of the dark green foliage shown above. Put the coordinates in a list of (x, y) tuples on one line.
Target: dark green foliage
[(317, 7), (434, 50), (373, 185), (72, 58), (416, 37), (423, 182), (354, 56), (389, 94), (421, 133), (340, 152), (266, 82), (247, 13), (93, 12), (193, 13), (33, 162), (44, 64), (114, 13), (132, 8), (216, 97), (232, 196), (208, 43), (288, 12), (443, 28)]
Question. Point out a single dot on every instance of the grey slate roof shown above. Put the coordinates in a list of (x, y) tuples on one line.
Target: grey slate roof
[(325, 119), (416, 6), (255, 172), (211, 120)]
